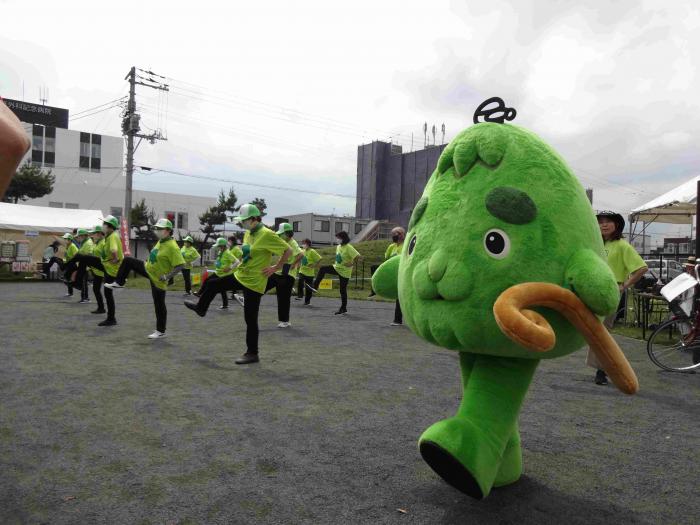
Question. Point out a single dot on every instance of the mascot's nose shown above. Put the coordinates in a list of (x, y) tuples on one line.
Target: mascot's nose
[(437, 265)]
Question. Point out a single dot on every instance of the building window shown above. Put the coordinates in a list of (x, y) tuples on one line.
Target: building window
[(181, 221), (90, 152), (683, 247), (341, 226), (72, 206), (49, 146), (37, 145), (95, 152), (670, 248), (322, 226), (55, 204), (116, 211), (358, 227), (296, 226)]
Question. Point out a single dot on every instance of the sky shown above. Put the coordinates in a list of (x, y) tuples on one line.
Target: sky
[(279, 94)]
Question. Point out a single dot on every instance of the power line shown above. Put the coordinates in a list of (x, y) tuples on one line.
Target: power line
[(96, 107), (155, 171), (94, 112)]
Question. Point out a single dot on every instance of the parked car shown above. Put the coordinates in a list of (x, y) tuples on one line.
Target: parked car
[(667, 271)]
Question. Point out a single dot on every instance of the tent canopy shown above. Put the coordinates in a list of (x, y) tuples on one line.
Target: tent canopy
[(674, 207), (43, 219)]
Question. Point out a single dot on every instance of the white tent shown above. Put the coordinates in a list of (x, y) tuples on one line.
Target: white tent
[(42, 219), (675, 207)]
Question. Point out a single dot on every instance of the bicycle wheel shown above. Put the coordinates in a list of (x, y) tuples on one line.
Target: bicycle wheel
[(675, 346)]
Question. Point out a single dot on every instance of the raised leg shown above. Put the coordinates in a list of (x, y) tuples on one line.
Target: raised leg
[(479, 447)]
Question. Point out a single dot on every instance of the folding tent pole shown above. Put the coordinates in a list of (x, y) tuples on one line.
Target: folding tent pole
[(697, 220)]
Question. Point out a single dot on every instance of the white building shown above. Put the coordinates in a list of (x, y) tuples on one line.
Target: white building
[(321, 229), (90, 173)]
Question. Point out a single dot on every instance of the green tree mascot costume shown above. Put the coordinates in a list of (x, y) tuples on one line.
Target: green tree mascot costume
[(503, 263)]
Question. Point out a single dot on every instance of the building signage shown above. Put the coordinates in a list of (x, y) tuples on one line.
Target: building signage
[(29, 233), (38, 114)]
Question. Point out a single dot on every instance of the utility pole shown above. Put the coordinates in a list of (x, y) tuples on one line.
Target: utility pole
[(131, 128)]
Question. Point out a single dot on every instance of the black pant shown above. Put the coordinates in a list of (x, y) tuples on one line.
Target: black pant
[(343, 284), (211, 280), (97, 290), (131, 264), (302, 290), (84, 296), (82, 262), (48, 264), (251, 306), (186, 275), (398, 315), (284, 285)]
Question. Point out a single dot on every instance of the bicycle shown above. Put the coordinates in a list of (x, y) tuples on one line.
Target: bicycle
[(675, 344)]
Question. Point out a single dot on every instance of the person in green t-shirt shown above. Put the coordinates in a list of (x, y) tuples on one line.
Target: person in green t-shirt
[(283, 279), (106, 258), (225, 263), (164, 262), (345, 255), (259, 246), (97, 275), (627, 266), (68, 256), (308, 264), (189, 254), (85, 247)]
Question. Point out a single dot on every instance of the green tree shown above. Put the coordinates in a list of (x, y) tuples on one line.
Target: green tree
[(217, 215), (30, 182), (261, 204), (141, 218)]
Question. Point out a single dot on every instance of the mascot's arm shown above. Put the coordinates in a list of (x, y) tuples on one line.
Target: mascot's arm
[(385, 280), (589, 277)]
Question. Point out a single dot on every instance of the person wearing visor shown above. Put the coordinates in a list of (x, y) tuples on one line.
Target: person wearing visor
[(107, 258), (97, 275), (68, 256), (283, 279), (86, 246), (189, 255), (308, 264), (260, 244), (221, 280), (627, 266), (164, 261)]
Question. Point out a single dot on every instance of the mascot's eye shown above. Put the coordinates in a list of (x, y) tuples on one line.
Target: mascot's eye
[(412, 245), (497, 243)]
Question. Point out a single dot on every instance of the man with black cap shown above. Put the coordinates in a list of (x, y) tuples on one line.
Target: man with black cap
[(627, 266)]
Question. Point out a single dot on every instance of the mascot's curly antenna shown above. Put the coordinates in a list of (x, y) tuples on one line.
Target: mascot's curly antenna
[(499, 113)]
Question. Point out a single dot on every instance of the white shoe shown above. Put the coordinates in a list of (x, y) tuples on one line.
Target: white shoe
[(396, 324), (222, 307), (68, 295), (239, 298), (113, 286), (284, 324), (156, 335)]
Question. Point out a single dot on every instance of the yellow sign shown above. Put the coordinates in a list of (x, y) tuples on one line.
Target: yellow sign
[(196, 278), (326, 284)]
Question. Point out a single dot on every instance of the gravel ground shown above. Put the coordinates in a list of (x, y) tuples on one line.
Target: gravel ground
[(101, 425)]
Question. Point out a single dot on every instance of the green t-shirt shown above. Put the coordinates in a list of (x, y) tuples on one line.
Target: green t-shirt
[(86, 247), (307, 262), (393, 250), (344, 253), (295, 251), (96, 252), (623, 259), (112, 243), (224, 259), (258, 249), (189, 255), (71, 251), (164, 256)]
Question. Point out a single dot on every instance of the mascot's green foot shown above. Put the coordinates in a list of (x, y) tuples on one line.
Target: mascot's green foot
[(511, 464), (462, 455)]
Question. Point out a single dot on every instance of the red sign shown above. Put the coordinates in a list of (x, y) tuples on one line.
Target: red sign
[(124, 233)]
